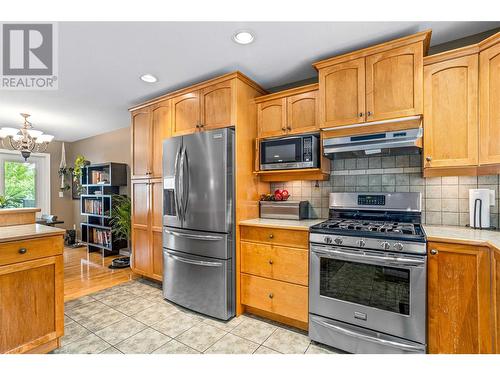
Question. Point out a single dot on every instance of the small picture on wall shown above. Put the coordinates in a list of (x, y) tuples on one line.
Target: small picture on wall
[(74, 190)]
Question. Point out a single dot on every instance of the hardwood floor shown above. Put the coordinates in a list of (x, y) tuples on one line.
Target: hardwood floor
[(88, 273)]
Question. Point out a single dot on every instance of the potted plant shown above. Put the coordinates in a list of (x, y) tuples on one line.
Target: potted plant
[(80, 163), (121, 225)]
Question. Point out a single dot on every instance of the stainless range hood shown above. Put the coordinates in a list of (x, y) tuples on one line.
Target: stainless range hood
[(374, 143)]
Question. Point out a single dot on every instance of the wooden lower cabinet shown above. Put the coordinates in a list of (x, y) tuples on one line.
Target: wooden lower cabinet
[(495, 284), (274, 265), (147, 255), (32, 296), (459, 301)]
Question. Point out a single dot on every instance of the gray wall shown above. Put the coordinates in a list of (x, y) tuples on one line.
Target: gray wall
[(445, 198)]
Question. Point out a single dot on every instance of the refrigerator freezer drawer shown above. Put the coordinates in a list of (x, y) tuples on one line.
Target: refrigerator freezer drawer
[(200, 284), (213, 245)]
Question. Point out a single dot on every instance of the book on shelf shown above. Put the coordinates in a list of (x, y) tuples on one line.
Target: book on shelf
[(93, 206), (100, 237), (99, 177)]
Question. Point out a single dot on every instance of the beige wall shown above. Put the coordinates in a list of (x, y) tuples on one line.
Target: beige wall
[(113, 146)]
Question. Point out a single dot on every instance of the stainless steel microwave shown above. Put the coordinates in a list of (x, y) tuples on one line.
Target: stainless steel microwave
[(295, 152)]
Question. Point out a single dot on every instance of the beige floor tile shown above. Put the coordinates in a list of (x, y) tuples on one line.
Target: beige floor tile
[(227, 325), (134, 306), (263, 350), (67, 320), (102, 319), (87, 310), (287, 342), (117, 299), (254, 330), (316, 348), (176, 324), (175, 347), (120, 330), (155, 313), (77, 302), (143, 342), (90, 344), (231, 344), (108, 292), (140, 289), (111, 350), (201, 336), (72, 332)]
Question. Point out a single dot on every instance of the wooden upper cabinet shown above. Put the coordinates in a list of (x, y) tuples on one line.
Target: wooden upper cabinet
[(459, 316), (394, 83), (451, 113), (342, 94), (216, 102), (302, 112), (185, 113), (141, 136), (489, 101), (271, 118), (161, 129)]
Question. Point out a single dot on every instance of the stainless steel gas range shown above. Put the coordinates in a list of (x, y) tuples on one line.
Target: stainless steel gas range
[(368, 268)]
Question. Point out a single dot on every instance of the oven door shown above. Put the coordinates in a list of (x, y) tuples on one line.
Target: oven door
[(284, 153), (382, 291)]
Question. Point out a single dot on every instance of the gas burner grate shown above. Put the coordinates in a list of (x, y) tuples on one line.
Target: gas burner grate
[(370, 226)]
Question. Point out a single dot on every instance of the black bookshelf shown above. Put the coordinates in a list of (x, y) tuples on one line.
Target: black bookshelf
[(101, 182)]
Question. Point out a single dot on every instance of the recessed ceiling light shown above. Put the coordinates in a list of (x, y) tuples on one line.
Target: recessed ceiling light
[(149, 78), (243, 37)]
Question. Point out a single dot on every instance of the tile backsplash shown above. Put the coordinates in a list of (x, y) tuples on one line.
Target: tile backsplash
[(445, 199)]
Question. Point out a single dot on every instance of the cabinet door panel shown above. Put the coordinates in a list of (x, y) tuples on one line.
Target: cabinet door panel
[(271, 118), (185, 113), (156, 206), (31, 290), (495, 282), (394, 83), (489, 99), (342, 94), (141, 231), (161, 130), (451, 112), (157, 248), (459, 299), (216, 106), (302, 112), (141, 137)]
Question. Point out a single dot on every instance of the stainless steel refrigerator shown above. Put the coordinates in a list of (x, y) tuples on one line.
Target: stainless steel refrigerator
[(198, 222)]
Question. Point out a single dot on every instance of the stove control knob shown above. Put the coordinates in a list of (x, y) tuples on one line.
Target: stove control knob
[(361, 243), (385, 245), (328, 240), (398, 246), (338, 241)]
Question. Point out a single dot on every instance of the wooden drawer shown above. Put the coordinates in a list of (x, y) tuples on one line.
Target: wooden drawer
[(275, 262), (20, 251), (286, 237), (274, 296)]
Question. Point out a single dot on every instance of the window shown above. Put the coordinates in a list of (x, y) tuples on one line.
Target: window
[(24, 184)]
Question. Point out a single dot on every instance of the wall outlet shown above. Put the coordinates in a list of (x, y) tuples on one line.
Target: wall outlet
[(61, 194)]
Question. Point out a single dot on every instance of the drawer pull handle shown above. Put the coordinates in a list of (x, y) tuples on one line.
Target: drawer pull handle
[(270, 261), (22, 250), (271, 295), (271, 235)]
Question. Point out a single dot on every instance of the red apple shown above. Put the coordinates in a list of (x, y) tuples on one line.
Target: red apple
[(278, 191), (285, 194), (278, 196)]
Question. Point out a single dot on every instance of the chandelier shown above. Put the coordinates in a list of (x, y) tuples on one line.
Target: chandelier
[(26, 140)]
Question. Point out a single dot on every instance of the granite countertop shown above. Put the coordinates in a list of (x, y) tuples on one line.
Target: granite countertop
[(285, 224), (463, 235), (27, 231)]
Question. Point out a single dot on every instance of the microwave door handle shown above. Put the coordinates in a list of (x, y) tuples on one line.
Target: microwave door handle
[(377, 340), (378, 259)]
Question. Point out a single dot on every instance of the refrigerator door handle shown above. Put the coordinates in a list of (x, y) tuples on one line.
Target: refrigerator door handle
[(176, 183), (181, 183), (194, 262), (194, 236), (185, 181)]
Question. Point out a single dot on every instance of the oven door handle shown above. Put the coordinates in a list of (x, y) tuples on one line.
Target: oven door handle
[(409, 262), (377, 340)]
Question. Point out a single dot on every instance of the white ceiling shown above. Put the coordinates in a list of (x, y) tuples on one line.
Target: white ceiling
[(100, 63)]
